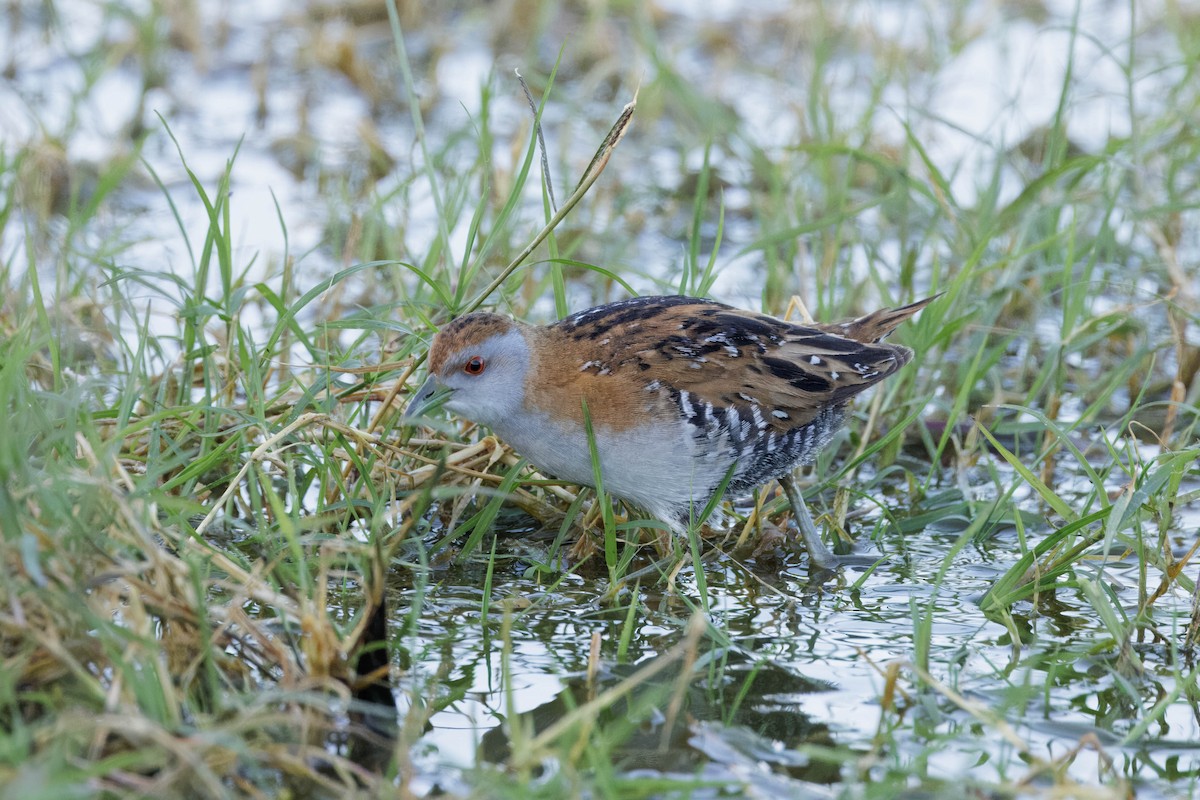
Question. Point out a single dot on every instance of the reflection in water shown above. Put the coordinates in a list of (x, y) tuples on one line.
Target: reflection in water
[(789, 684), (728, 718)]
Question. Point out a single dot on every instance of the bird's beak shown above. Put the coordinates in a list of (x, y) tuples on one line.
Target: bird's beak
[(429, 395)]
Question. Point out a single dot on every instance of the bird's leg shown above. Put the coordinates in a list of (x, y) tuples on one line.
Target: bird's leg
[(818, 553)]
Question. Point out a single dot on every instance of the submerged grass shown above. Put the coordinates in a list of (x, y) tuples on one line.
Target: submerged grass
[(221, 548)]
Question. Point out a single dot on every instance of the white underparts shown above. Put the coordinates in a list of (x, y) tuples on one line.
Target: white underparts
[(659, 468)]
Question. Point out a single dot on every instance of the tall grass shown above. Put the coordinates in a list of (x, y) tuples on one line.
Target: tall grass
[(221, 549)]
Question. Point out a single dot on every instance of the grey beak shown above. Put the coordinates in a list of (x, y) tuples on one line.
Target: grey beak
[(428, 396)]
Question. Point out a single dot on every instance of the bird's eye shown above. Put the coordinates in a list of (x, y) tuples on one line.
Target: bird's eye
[(475, 365)]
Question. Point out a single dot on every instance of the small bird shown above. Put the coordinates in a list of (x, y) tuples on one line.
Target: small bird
[(682, 394)]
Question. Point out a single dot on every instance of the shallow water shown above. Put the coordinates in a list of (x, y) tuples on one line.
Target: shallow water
[(994, 93), (817, 652), (811, 652)]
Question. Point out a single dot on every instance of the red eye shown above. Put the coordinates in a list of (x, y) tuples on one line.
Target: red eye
[(475, 365)]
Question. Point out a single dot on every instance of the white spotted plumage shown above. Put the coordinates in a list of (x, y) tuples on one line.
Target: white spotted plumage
[(680, 392)]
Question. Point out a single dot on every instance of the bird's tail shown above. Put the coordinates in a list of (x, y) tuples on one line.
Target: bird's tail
[(875, 326)]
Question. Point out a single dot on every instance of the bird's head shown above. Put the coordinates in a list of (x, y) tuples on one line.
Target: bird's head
[(477, 363)]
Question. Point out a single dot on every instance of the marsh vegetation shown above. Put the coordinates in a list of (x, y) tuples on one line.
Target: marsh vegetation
[(228, 231)]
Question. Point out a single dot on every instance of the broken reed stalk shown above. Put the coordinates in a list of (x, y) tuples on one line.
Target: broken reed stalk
[(590, 175)]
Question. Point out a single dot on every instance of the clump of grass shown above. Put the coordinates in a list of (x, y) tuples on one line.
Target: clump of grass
[(209, 512)]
